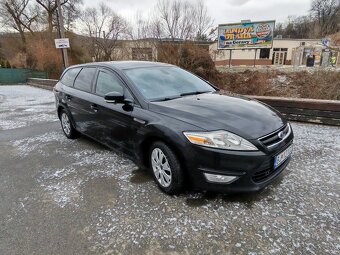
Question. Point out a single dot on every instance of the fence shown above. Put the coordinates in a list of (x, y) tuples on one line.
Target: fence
[(19, 75)]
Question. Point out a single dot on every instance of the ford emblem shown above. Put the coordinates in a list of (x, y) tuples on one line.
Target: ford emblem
[(280, 135)]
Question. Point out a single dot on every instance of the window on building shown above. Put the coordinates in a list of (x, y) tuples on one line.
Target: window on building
[(142, 54), (280, 49), (264, 53)]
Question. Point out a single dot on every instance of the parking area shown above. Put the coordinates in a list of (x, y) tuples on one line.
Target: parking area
[(61, 196)]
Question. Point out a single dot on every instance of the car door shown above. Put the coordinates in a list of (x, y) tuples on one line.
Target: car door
[(79, 99), (114, 124)]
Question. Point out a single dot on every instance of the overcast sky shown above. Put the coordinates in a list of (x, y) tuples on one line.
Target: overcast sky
[(222, 11)]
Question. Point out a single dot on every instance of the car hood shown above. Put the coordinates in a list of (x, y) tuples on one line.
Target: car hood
[(240, 115)]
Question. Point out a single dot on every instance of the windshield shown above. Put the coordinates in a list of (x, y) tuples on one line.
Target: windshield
[(165, 83)]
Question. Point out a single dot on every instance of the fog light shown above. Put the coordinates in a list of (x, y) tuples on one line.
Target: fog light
[(220, 178)]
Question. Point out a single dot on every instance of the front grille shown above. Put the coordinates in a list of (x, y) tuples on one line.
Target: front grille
[(275, 137), (262, 175)]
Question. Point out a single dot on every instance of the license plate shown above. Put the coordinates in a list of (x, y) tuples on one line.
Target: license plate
[(279, 159)]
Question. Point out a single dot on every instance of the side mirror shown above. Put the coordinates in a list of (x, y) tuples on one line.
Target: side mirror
[(114, 97)]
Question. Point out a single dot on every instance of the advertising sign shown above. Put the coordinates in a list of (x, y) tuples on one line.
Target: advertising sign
[(246, 35), (62, 43)]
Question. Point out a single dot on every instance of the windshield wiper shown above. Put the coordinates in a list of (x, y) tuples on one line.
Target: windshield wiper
[(165, 99), (181, 95), (194, 93)]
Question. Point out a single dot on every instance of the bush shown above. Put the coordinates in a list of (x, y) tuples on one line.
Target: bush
[(317, 85), (8, 65), (189, 56)]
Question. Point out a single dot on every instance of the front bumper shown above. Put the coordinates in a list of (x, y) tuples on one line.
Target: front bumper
[(255, 170)]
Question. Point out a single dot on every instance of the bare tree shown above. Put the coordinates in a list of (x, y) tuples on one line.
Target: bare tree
[(105, 28), (71, 12), (19, 15), (203, 21), (176, 19), (183, 19), (50, 7), (143, 26), (327, 15)]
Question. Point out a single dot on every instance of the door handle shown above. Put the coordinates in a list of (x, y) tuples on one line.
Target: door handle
[(94, 107)]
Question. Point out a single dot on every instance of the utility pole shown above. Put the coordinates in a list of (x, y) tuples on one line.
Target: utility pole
[(62, 33)]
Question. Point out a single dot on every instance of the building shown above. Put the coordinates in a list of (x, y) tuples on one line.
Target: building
[(283, 52)]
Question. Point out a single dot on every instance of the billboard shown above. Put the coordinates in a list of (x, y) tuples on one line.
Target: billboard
[(246, 35)]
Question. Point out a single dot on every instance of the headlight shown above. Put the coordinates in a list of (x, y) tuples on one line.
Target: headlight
[(221, 140)]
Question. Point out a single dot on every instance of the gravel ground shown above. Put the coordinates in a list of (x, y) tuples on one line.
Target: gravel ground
[(61, 196)]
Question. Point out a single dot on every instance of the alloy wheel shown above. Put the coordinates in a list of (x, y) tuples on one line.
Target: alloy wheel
[(161, 167), (65, 123)]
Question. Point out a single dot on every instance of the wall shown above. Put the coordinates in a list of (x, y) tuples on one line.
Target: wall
[(124, 50), (42, 83), (246, 62)]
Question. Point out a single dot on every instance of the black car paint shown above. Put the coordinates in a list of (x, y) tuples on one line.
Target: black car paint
[(131, 128)]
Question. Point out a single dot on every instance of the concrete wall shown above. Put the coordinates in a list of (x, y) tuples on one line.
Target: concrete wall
[(42, 83)]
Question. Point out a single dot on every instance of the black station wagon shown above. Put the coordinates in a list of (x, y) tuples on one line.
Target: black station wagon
[(176, 124)]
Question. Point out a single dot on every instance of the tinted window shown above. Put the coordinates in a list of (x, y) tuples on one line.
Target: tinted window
[(108, 83), (69, 76), (84, 79), (160, 82)]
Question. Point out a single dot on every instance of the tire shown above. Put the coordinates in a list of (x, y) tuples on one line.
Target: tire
[(67, 127), (166, 168)]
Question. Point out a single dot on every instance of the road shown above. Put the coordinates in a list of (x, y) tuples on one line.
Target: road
[(61, 196)]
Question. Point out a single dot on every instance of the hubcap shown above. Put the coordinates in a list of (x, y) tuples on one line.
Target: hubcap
[(65, 123), (161, 167)]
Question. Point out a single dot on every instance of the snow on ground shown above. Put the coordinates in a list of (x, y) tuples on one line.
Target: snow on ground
[(297, 214), (22, 106), (121, 209), (293, 215)]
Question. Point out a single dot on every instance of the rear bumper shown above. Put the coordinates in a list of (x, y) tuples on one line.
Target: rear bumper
[(254, 170)]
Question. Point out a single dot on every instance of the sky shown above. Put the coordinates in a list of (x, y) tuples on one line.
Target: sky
[(222, 11)]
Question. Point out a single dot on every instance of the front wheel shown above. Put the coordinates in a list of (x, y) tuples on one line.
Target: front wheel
[(66, 125), (166, 168)]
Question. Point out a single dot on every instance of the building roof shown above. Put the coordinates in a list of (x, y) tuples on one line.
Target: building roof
[(295, 39)]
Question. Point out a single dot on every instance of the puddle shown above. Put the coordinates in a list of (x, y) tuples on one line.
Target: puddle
[(140, 176), (100, 191)]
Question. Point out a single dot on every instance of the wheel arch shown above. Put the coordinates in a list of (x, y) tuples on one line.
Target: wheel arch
[(62, 107), (146, 144)]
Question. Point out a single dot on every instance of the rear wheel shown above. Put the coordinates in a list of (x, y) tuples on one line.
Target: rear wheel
[(68, 129), (166, 168)]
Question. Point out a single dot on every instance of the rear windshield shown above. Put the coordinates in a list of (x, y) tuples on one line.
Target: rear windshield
[(161, 82)]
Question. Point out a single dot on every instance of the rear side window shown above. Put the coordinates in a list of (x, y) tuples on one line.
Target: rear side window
[(69, 76), (108, 83), (84, 79)]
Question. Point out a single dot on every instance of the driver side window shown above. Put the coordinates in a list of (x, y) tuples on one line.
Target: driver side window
[(108, 83)]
